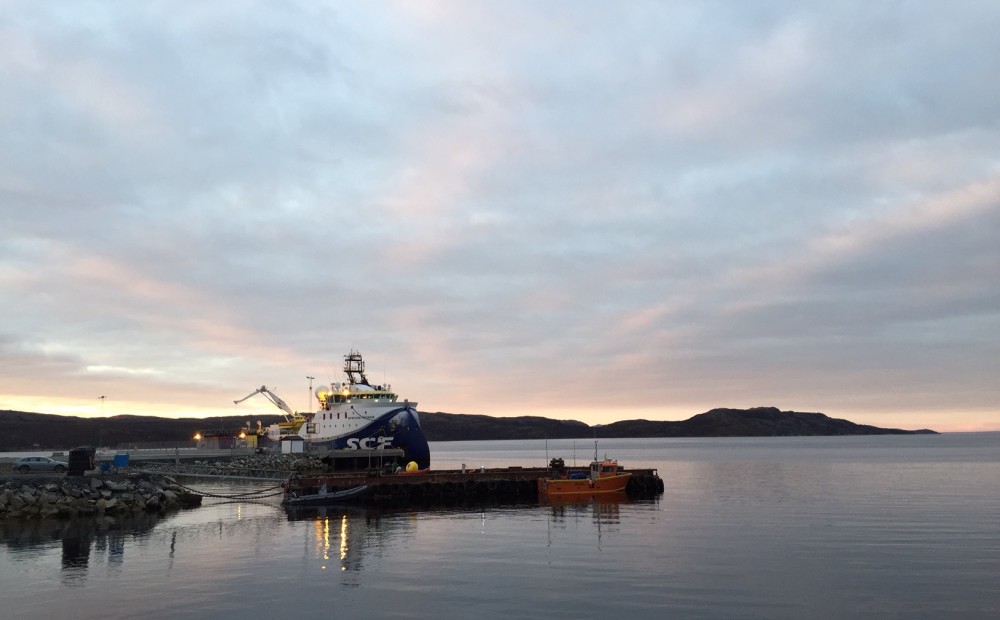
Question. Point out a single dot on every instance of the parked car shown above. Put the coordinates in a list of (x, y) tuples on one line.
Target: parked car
[(27, 464)]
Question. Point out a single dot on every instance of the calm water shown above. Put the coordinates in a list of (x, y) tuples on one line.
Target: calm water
[(847, 527)]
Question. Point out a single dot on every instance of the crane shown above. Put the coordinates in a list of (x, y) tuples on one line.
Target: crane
[(271, 396)]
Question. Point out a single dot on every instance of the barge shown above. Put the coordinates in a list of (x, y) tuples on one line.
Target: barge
[(507, 484)]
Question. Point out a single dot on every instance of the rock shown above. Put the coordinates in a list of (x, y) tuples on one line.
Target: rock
[(48, 511), (93, 496), (84, 504), (117, 486), (189, 500)]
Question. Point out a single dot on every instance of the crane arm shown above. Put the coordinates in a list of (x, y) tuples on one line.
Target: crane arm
[(271, 396)]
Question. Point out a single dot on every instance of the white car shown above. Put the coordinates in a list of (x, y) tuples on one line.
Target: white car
[(27, 464)]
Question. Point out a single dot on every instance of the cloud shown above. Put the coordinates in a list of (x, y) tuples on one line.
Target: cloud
[(516, 208)]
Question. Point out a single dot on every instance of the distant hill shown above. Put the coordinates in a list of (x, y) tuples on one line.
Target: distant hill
[(464, 427), (28, 431), (754, 422)]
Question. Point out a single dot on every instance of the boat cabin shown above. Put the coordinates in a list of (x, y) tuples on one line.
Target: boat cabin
[(338, 394), (604, 469)]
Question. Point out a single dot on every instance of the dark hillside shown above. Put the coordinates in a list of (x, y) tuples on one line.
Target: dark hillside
[(38, 431), (28, 431), (461, 427), (754, 422)]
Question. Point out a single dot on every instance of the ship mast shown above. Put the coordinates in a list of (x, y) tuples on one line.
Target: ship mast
[(354, 368)]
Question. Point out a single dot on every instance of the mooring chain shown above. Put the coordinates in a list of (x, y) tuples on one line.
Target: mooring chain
[(249, 495)]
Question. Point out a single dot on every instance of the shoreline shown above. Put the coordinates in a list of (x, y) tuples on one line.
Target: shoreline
[(56, 496)]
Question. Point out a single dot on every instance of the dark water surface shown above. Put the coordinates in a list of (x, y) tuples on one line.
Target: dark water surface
[(845, 527)]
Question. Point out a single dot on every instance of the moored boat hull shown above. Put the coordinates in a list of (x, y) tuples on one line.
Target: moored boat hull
[(325, 498), (548, 487)]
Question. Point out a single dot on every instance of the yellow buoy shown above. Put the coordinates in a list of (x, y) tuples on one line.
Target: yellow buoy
[(412, 466)]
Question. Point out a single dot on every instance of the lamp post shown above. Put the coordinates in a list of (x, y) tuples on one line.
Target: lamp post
[(310, 401), (100, 429)]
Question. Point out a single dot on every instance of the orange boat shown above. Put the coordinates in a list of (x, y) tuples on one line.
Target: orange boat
[(604, 477)]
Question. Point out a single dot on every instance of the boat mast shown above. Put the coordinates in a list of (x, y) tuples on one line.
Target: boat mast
[(354, 368)]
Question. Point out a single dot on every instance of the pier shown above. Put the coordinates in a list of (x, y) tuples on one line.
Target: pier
[(380, 471), (503, 484)]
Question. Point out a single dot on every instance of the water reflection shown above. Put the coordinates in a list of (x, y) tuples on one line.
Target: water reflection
[(604, 511), (226, 538), (341, 534), (604, 508), (78, 538)]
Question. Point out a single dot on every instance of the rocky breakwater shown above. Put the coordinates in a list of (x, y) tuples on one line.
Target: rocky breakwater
[(244, 465), (274, 462), (66, 498)]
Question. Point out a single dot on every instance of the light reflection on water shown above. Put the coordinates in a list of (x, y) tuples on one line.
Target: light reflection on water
[(754, 529)]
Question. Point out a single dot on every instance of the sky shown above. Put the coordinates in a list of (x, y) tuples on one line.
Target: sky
[(581, 210)]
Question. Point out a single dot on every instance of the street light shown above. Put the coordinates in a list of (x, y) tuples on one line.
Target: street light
[(309, 402)]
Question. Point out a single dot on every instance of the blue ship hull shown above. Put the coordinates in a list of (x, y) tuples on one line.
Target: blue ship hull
[(398, 428)]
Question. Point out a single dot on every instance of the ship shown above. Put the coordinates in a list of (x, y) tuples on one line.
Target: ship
[(353, 414)]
